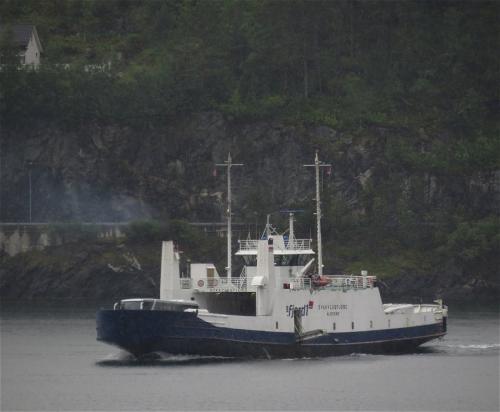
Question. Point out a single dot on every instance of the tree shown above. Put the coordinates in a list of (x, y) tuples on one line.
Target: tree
[(9, 51)]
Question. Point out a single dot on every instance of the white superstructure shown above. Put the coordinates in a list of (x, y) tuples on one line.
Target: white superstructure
[(273, 284), (277, 283)]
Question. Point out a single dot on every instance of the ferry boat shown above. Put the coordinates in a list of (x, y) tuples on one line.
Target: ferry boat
[(280, 306)]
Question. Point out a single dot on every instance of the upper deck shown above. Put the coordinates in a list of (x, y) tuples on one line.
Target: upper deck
[(250, 284)]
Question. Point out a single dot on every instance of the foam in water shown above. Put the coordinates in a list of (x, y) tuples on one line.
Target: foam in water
[(478, 347), (482, 346)]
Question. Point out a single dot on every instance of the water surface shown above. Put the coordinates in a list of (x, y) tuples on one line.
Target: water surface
[(50, 360)]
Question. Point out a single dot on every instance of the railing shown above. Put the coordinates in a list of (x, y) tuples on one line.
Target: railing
[(242, 283), (216, 284), (298, 244), (295, 244), (353, 282), (391, 308), (248, 244), (332, 282)]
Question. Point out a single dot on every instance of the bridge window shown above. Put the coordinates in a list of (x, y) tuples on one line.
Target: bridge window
[(291, 260), (286, 260), (250, 260)]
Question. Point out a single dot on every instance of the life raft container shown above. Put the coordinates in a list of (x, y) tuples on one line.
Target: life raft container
[(320, 281)]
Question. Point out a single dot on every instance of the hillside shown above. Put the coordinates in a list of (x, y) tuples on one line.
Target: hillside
[(401, 97)]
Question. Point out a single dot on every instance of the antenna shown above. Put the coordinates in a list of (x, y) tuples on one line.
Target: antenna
[(317, 164), (291, 231), (228, 163)]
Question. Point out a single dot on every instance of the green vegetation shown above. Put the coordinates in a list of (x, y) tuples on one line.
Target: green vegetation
[(426, 73), (72, 232), (344, 63), (197, 244)]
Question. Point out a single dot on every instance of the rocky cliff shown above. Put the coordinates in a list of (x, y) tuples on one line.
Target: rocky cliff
[(107, 271), (104, 172), (400, 200)]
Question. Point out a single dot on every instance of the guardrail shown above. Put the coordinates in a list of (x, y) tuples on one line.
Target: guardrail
[(295, 244), (241, 284), (216, 284), (298, 244), (332, 282)]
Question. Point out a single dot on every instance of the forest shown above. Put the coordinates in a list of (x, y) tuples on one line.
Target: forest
[(417, 82), (342, 63)]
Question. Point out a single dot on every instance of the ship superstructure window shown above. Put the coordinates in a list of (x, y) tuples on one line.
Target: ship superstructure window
[(371, 324), (290, 260), (334, 326), (146, 305), (352, 325), (276, 325), (388, 323), (250, 260)]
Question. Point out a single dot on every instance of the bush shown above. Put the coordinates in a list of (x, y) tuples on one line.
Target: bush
[(73, 232), (147, 231)]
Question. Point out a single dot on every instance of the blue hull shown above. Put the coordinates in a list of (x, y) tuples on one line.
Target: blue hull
[(141, 332)]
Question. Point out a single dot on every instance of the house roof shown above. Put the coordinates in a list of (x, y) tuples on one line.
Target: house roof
[(22, 34)]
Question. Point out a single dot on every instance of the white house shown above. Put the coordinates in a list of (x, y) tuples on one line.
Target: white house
[(26, 38)]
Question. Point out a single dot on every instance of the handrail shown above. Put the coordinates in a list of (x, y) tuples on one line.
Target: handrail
[(219, 284), (333, 282), (298, 283), (295, 244)]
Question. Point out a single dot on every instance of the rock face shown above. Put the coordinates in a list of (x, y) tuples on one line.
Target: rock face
[(106, 173), (99, 270), (110, 173), (453, 286), (107, 271)]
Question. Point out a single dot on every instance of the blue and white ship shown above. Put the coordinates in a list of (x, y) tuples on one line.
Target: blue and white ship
[(280, 306)]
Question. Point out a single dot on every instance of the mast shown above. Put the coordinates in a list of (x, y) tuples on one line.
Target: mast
[(228, 163), (317, 164), (291, 232), (268, 226)]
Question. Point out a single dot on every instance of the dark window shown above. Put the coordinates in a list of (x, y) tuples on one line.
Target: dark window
[(334, 326), (352, 325), (250, 260), (371, 324), (286, 260), (276, 325)]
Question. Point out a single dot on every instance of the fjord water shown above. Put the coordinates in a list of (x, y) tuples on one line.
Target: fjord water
[(50, 360)]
